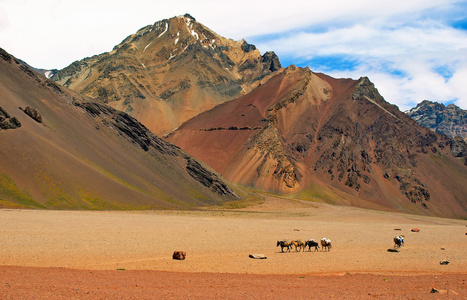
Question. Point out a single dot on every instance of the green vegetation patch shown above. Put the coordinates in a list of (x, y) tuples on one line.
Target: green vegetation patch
[(250, 200), (10, 192), (317, 193)]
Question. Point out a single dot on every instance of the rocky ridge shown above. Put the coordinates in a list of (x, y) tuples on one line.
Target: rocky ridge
[(450, 120)]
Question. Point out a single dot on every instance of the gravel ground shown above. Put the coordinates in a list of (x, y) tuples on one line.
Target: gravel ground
[(76, 254)]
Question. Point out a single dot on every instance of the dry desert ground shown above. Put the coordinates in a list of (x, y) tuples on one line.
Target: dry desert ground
[(100, 255)]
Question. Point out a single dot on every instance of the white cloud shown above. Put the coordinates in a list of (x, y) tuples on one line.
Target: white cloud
[(379, 36), (408, 62)]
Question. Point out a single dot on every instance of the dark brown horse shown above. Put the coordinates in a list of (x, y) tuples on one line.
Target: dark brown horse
[(284, 244), (312, 243)]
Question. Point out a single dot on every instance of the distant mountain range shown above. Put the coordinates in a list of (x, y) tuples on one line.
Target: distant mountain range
[(282, 130), (450, 120)]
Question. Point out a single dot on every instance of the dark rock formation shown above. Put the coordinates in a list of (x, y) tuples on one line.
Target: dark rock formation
[(207, 178), (5, 56), (247, 47), (129, 127), (33, 113), (8, 122), (450, 120), (270, 61), (179, 255), (458, 147)]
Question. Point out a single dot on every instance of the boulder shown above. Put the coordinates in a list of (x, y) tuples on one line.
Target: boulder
[(33, 113), (444, 292), (258, 256), (180, 255)]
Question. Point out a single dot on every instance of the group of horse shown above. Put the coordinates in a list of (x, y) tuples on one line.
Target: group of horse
[(300, 245), (325, 244)]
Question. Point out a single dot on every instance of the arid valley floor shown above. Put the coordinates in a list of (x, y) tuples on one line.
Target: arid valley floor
[(83, 254)]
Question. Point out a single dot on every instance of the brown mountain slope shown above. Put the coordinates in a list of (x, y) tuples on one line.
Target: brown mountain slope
[(58, 151), (169, 72), (333, 140)]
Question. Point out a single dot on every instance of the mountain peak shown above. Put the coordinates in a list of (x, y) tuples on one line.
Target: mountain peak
[(188, 16), (170, 71), (450, 120)]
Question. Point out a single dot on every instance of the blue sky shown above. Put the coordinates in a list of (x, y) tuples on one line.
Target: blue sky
[(412, 50)]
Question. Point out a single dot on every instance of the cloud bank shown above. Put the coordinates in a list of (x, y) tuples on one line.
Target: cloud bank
[(412, 50), (410, 55)]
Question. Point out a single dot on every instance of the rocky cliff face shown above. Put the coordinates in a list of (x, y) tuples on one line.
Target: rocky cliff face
[(169, 72), (450, 120)]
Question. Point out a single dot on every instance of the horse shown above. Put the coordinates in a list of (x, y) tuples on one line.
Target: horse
[(398, 241), (326, 244), (299, 244), (312, 243), (284, 244)]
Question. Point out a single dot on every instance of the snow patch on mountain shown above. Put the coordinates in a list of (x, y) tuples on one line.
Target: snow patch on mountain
[(48, 74), (166, 28)]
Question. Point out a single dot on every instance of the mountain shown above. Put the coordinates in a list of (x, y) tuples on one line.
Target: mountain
[(44, 72), (170, 71), (334, 140), (450, 120), (282, 130), (59, 150)]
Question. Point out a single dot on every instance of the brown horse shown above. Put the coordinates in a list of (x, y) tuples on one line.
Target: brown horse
[(299, 245), (284, 244), (326, 244)]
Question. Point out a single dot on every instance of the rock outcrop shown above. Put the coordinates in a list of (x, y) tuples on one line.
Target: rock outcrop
[(33, 113), (450, 120), (8, 122), (138, 134)]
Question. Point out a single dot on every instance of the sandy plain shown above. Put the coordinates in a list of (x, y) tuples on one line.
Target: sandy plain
[(97, 255)]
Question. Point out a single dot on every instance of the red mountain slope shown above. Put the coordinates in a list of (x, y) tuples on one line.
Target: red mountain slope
[(326, 139)]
